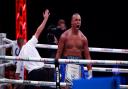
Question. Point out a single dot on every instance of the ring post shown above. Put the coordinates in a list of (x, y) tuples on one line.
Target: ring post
[(57, 74), (2, 52)]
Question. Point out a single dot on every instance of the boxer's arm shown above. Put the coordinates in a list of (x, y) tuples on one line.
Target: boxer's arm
[(60, 46), (87, 56)]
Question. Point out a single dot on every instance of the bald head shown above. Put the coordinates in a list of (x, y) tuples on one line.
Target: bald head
[(76, 15), (76, 20)]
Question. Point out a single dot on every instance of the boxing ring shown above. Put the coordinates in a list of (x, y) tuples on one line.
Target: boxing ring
[(64, 61)]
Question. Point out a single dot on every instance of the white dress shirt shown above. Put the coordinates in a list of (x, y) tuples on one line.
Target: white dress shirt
[(29, 50)]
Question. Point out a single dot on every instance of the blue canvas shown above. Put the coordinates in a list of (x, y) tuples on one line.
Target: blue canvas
[(96, 83)]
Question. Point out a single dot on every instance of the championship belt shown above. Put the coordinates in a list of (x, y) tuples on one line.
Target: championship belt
[(73, 71)]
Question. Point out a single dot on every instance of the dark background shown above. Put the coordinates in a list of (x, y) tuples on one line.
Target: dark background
[(104, 23)]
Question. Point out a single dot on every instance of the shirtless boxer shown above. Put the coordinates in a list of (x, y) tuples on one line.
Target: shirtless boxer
[(72, 45)]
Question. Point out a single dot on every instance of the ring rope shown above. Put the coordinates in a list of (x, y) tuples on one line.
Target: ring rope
[(116, 70), (42, 83), (28, 82), (70, 61), (6, 46), (92, 49), (98, 69), (124, 86), (7, 40), (5, 64)]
